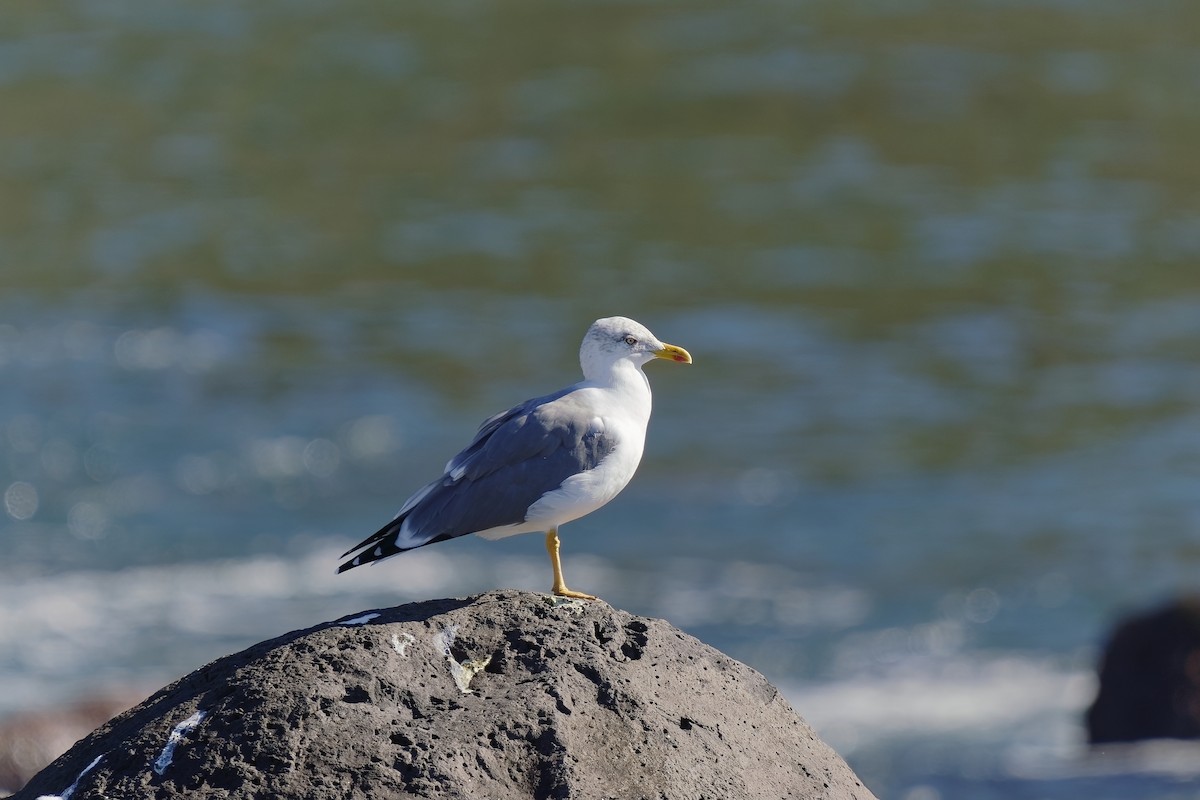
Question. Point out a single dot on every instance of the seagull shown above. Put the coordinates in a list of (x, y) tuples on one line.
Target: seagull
[(544, 462)]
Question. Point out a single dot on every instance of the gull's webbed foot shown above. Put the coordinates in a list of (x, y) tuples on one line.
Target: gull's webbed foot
[(560, 586)]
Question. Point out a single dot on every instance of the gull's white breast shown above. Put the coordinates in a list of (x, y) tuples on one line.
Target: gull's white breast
[(624, 423)]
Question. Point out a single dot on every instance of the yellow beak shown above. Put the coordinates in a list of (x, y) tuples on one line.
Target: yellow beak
[(673, 353)]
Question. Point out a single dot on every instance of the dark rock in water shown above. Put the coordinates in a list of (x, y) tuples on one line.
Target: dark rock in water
[(506, 695), (1150, 677)]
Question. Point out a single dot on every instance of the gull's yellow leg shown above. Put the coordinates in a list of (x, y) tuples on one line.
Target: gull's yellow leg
[(560, 587)]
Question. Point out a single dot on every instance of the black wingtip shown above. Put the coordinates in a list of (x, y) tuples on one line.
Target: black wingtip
[(383, 534)]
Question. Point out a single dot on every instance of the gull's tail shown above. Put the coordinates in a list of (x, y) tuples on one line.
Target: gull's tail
[(378, 545), (386, 542)]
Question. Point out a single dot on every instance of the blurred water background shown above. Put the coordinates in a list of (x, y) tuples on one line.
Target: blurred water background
[(264, 267)]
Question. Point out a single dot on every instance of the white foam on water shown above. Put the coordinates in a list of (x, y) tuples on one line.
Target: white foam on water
[(1176, 759), (964, 694), (1026, 712)]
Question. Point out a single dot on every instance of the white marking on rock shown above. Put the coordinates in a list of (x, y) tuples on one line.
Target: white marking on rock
[(402, 647), (462, 673), (363, 620), (571, 604), (70, 790), (177, 734)]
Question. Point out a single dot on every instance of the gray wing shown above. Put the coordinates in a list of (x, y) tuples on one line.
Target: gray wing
[(515, 458)]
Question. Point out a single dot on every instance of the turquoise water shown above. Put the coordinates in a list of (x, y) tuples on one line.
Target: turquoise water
[(264, 269)]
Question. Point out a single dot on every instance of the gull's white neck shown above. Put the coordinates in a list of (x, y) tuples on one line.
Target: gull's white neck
[(625, 378)]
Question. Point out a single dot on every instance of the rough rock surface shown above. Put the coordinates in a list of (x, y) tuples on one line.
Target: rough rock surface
[(505, 695), (1150, 677)]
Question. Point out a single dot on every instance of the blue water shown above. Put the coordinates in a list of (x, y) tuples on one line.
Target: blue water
[(262, 271)]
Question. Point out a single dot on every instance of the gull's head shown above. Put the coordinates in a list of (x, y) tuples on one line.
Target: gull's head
[(615, 339)]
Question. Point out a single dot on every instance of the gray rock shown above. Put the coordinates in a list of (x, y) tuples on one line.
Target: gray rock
[(505, 695)]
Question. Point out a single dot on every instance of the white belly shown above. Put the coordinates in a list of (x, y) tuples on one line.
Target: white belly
[(585, 492)]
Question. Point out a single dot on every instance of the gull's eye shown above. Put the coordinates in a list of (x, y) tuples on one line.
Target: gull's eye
[(631, 340)]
